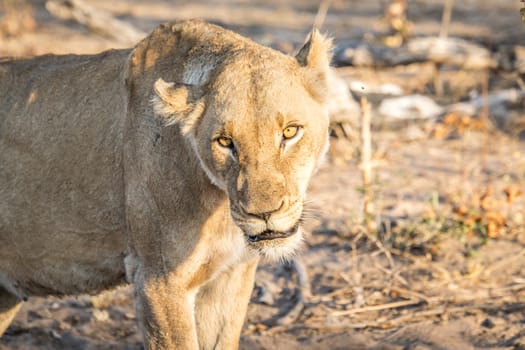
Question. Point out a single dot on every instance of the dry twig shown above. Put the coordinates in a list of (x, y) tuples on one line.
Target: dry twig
[(321, 13), (445, 19), (366, 163), (366, 175), (393, 305), (447, 306), (411, 293), (357, 276)]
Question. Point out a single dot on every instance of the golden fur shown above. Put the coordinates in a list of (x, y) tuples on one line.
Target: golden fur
[(112, 169)]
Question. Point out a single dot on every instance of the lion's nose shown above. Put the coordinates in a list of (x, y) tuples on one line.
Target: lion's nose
[(261, 214)]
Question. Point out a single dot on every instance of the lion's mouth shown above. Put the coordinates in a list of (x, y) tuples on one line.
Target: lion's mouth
[(269, 234)]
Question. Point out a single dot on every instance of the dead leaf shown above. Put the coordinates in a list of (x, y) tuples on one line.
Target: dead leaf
[(495, 221), (440, 132), (461, 210), (462, 122), (497, 217), (492, 230), (485, 202), (387, 325), (511, 193), (261, 327), (450, 119)]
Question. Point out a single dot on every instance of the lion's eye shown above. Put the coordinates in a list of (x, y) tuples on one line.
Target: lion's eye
[(225, 142), (290, 131)]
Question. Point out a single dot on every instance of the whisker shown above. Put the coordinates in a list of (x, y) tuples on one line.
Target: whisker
[(311, 216), (319, 204), (311, 211), (305, 219), (310, 200)]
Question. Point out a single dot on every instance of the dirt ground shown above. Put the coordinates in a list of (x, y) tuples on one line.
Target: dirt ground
[(445, 269)]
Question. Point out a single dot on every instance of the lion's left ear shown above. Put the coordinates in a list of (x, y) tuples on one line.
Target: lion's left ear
[(178, 103), (315, 57)]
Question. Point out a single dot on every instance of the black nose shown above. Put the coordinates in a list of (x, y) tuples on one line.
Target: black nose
[(261, 215)]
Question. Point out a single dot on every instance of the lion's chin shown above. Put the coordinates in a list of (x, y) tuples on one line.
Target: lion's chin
[(277, 246)]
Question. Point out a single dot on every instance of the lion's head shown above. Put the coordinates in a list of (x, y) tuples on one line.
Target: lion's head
[(257, 122)]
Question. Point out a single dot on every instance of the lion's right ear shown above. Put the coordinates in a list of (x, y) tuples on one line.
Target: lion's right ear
[(314, 57), (178, 103)]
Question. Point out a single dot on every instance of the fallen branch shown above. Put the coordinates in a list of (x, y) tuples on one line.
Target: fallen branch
[(393, 305), (341, 327), (414, 316), (100, 22), (444, 51), (321, 326), (424, 314)]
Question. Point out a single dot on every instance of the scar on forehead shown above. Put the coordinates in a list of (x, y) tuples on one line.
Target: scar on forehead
[(228, 127), (280, 119)]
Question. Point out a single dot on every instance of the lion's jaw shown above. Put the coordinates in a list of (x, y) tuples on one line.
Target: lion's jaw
[(259, 129)]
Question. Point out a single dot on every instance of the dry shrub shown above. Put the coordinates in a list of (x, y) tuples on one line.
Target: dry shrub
[(485, 214), (456, 123)]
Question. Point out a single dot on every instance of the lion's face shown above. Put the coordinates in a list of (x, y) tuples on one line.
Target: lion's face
[(261, 142), (260, 133)]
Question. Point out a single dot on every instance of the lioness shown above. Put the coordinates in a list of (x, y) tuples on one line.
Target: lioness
[(174, 165)]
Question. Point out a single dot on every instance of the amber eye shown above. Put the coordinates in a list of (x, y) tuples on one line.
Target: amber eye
[(290, 131), (225, 142)]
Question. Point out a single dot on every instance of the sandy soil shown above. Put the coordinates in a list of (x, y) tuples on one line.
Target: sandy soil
[(437, 278)]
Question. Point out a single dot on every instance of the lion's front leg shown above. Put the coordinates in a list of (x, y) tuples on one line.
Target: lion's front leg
[(165, 313), (220, 306)]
